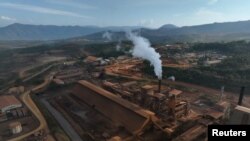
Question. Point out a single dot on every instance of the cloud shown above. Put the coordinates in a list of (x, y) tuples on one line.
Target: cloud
[(205, 16), (178, 15), (43, 10), (211, 2), (147, 23), (72, 4), (203, 12), (7, 18)]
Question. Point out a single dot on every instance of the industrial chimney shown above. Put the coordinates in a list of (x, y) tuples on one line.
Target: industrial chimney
[(222, 92), (159, 85), (241, 95)]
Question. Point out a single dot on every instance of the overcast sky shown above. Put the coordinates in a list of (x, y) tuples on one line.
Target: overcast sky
[(149, 13)]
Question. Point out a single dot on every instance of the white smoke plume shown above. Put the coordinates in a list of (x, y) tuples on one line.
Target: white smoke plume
[(142, 49), (118, 46), (107, 35)]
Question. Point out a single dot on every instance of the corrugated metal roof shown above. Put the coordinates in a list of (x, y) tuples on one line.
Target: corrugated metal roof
[(8, 100), (91, 58), (175, 92), (116, 99), (130, 115), (243, 109)]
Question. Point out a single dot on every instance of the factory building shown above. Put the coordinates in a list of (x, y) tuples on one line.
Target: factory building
[(241, 115), (8, 103), (16, 90), (114, 107), (90, 59), (15, 127)]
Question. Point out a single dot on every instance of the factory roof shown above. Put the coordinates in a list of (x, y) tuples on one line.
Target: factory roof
[(8, 100), (240, 115), (175, 92), (127, 114), (76, 74), (14, 124), (130, 83), (91, 59), (116, 99), (106, 83), (16, 90), (243, 109), (58, 81), (159, 95), (221, 106), (147, 87), (214, 113)]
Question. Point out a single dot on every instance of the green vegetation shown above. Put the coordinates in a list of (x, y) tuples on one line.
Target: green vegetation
[(233, 72), (7, 44), (149, 69), (208, 78), (39, 68), (68, 48), (35, 81), (235, 47), (107, 50), (5, 53)]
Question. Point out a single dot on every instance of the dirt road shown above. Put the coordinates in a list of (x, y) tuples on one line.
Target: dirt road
[(27, 100), (40, 72)]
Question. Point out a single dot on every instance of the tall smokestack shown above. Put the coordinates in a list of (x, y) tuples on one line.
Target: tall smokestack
[(159, 85), (241, 95)]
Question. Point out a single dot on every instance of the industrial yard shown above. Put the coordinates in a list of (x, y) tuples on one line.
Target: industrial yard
[(154, 70), (157, 109), (141, 92), (111, 99)]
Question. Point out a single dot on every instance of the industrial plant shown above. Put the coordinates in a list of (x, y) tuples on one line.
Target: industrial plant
[(128, 70), (115, 99)]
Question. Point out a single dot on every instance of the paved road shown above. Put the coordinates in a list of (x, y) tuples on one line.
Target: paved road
[(38, 73), (62, 121)]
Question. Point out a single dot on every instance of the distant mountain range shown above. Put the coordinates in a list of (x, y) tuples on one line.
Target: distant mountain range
[(18, 31), (168, 26), (227, 31), (167, 33)]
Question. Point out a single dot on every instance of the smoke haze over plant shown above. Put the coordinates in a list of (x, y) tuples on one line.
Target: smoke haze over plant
[(107, 35), (142, 49)]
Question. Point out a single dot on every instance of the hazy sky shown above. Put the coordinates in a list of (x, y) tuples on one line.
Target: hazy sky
[(150, 13)]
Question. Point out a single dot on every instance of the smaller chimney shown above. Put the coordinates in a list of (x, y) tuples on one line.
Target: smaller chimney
[(222, 92), (241, 95), (159, 85), (147, 89)]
